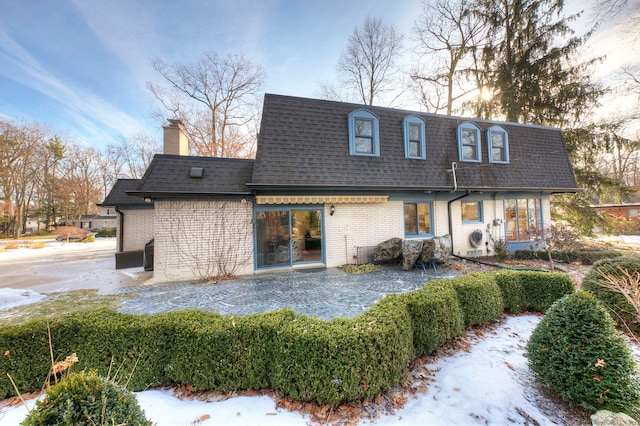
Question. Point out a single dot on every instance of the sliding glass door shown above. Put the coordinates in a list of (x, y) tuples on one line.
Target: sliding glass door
[(288, 236)]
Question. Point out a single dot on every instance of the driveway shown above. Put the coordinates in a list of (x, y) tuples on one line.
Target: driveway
[(63, 266)]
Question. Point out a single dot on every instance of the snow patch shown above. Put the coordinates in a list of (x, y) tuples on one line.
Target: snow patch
[(10, 297)]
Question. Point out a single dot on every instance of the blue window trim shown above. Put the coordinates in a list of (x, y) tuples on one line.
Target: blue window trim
[(469, 126), (430, 234), (480, 212), (498, 129), (514, 244), (363, 113), (412, 119)]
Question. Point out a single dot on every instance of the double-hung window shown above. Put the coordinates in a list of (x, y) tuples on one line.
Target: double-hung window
[(498, 145), (469, 142), (417, 219), (364, 138), (414, 138)]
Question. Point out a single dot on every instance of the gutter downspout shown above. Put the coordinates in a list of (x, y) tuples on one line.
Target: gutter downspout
[(120, 247), (450, 218)]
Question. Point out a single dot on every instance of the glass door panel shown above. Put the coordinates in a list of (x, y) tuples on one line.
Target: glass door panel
[(306, 236), (272, 238)]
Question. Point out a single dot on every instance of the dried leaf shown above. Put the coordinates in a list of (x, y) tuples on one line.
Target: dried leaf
[(509, 366), (600, 363)]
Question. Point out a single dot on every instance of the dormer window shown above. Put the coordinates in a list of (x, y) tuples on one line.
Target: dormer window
[(364, 136), (469, 143), (414, 138), (498, 145)]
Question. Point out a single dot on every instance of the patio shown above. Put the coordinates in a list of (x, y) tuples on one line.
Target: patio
[(325, 294)]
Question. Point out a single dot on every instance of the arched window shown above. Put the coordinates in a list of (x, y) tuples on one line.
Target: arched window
[(498, 144), (414, 138), (469, 142), (364, 138)]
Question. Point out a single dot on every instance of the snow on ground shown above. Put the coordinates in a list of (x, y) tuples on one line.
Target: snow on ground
[(10, 297), (51, 248), (490, 384)]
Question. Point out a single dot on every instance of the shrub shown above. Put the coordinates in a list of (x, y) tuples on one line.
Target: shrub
[(343, 360), (586, 257), (542, 289), (479, 297), (87, 399), (513, 294), (70, 233), (577, 351), (619, 308), (106, 232), (436, 316), (360, 269)]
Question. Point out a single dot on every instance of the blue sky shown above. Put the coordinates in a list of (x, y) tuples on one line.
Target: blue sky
[(82, 66)]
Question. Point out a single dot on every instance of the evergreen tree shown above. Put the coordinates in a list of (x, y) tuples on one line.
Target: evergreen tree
[(527, 62)]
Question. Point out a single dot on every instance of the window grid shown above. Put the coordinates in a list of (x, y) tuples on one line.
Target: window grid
[(414, 138), (498, 145), (523, 218), (417, 219), (363, 133), (469, 143), (471, 211)]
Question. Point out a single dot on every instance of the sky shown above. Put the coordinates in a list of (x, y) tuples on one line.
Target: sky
[(82, 66)]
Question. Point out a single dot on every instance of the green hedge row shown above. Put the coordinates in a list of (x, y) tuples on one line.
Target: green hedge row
[(307, 358), (586, 257)]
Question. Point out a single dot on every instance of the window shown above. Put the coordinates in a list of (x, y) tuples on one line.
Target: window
[(471, 211), (363, 134), (417, 219), (498, 145), (414, 138), (522, 218), (469, 142)]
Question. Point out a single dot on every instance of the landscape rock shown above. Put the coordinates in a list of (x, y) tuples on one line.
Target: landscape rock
[(608, 418), (411, 251), (389, 251), (442, 248)]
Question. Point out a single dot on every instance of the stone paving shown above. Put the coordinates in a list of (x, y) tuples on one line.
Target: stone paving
[(324, 294)]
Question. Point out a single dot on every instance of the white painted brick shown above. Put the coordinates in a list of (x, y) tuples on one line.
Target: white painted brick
[(138, 229), (191, 237)]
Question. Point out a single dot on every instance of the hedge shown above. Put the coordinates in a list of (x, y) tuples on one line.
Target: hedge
[(586, 257), (307, 358)]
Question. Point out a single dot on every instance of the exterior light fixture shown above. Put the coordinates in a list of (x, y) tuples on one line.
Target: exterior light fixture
[(147, 200), (332, 209)]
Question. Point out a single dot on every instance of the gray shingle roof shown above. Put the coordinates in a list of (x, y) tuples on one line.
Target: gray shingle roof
[(169, 175), (305, 143), (118, 194)]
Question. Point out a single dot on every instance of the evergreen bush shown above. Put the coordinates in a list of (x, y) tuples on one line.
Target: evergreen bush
[(542, 289), (619, 308), (87, 400), (479, 297), (436, 316), (576, 351)]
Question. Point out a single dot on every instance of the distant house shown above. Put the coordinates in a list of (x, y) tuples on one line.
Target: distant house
[(331, 178), (97, 222), (628, 207)]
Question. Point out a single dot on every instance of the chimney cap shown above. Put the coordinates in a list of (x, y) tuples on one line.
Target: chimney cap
[(174, 122)]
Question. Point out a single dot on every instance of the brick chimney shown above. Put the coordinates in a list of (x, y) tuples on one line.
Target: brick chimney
[(175, 141)]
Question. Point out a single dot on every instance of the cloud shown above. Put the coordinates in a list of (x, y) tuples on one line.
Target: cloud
[(87, 109)]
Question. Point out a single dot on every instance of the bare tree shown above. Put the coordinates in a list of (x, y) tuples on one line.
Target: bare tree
[(215, 98), (130, 156), (448, 35), (368, 64)]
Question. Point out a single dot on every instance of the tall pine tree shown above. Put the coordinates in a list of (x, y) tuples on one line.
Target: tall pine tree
[(527, 62)]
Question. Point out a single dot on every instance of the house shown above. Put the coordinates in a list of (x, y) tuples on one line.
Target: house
[(331, 178), (628, 207), (133, 222), (96, 222)]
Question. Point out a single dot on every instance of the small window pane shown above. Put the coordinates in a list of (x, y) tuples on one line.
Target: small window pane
[(471, 211), (364, 145), (410, 219), (468, 137), (497, 146), (414, 132), (414, 148), (469, 152), (364, 127), (497, 154), (424, 218)]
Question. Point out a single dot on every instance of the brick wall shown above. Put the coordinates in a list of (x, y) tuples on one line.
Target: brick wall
[(201, 239), (138, 229), (360, 225)]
